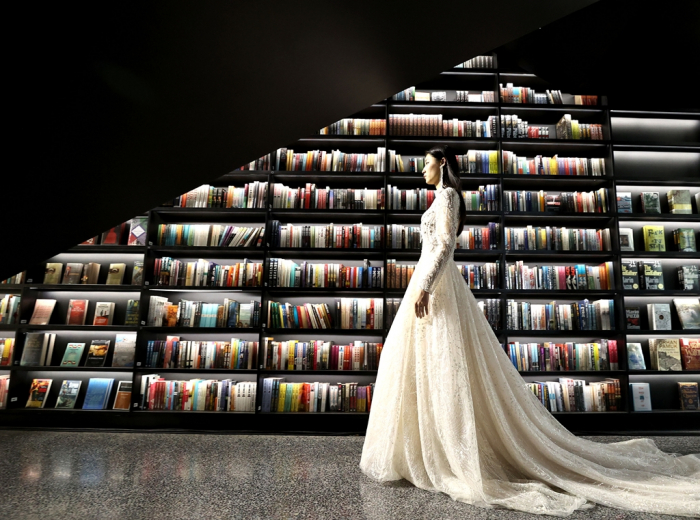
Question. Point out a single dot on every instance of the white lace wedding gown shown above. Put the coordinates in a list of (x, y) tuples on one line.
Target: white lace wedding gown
[(452, 414)]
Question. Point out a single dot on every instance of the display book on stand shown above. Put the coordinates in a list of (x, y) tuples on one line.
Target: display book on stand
[(504, 108)]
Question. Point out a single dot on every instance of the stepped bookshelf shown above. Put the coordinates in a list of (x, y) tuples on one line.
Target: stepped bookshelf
[(643, 150)]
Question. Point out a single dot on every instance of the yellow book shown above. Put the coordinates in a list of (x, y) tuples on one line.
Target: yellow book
[(575, 132), (281, 399), (553, 166), (295, 397), (493, 161), (596, 358), (291, 354), (654, 238)]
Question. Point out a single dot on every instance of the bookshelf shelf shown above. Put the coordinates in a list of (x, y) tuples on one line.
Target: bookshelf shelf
[(563, 333), (664, 372), (198, 412), (88, 328), (538, 373), (679, 292), (558, 142), (660, 254), (314, 413), (618, 151), (667, 217), (208, 371), (107, 249), (189, 288), (85, 287), (649, 147), (325, 291), (345, 332), (264, 372), (199, 330), (105, 370)]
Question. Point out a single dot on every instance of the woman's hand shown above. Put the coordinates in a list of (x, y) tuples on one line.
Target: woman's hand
[(422, 304)]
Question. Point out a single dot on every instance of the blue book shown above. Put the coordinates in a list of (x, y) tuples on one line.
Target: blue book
[(97, 394), (296, 318)]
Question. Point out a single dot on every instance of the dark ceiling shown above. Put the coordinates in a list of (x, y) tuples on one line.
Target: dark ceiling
[(123, 106)]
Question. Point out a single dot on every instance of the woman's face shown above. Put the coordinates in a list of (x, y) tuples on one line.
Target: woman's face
[(431, 171)]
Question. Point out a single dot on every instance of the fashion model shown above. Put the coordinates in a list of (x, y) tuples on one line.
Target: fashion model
[(451, 413)]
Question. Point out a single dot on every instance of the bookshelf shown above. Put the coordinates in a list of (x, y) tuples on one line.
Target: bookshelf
[(642, 150)]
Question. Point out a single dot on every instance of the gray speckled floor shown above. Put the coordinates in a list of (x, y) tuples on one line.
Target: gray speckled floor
[(132, 476)]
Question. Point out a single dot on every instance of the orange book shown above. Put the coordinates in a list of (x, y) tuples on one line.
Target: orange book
[(690, 353)]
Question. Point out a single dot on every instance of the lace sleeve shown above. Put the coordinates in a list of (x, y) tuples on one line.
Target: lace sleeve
[(446, 220)]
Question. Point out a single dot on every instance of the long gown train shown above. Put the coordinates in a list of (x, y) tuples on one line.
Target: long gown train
[(451, 413)]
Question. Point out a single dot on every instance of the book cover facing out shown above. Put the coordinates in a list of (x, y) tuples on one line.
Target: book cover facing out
[(68, 395), (97, 393)]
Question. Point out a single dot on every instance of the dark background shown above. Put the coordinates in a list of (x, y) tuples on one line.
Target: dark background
[(116, 108)]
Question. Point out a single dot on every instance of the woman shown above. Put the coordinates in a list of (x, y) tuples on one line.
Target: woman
[(452, 414)]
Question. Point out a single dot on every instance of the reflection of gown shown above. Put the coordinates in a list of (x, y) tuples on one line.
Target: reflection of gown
[(452, 414)]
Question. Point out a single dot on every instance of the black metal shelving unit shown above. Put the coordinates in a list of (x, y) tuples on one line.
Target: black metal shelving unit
[(622, 134)]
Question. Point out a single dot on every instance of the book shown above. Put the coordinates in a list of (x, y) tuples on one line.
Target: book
[(688, 278), (626, 239), (38, 349), (91, 273), (654, 239), (690, 353), (115, 274), (52, 273), (624, 202), (679, 202), (4, 388), (653, 276), (684, 240), (77, 311), (97, 395), (650, 202), (68, 394), (97, 353), (72, 355), (132, 312), (113, 236), (7, 347), (635, 357), (122, 401), (665, 354), (688, 310), (104, 313), (641, 397), (43, 308), (137, 273), (72, 273), (688, 395), (124, 348), (659, 316), (38, 392), (632, 317), (137, 231), (630, 275)]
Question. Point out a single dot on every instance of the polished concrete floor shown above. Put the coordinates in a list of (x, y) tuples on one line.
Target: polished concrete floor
[(79, 475)]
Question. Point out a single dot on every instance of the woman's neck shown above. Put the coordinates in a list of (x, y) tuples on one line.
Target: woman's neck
[(438, 187)]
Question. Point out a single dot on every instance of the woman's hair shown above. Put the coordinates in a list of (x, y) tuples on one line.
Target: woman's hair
[(450, 178)]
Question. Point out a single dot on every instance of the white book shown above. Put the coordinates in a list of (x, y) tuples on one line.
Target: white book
[(641, 397)]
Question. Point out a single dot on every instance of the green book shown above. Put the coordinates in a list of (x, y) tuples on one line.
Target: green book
[(650, 202), (68, 394), (684, 240), (72, 355), (654, 238)]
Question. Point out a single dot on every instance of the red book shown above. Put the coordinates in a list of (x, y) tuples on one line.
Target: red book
[(690, 353), (77, 310)]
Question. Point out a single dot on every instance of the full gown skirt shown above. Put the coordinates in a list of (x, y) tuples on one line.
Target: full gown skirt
[(451, 413)]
